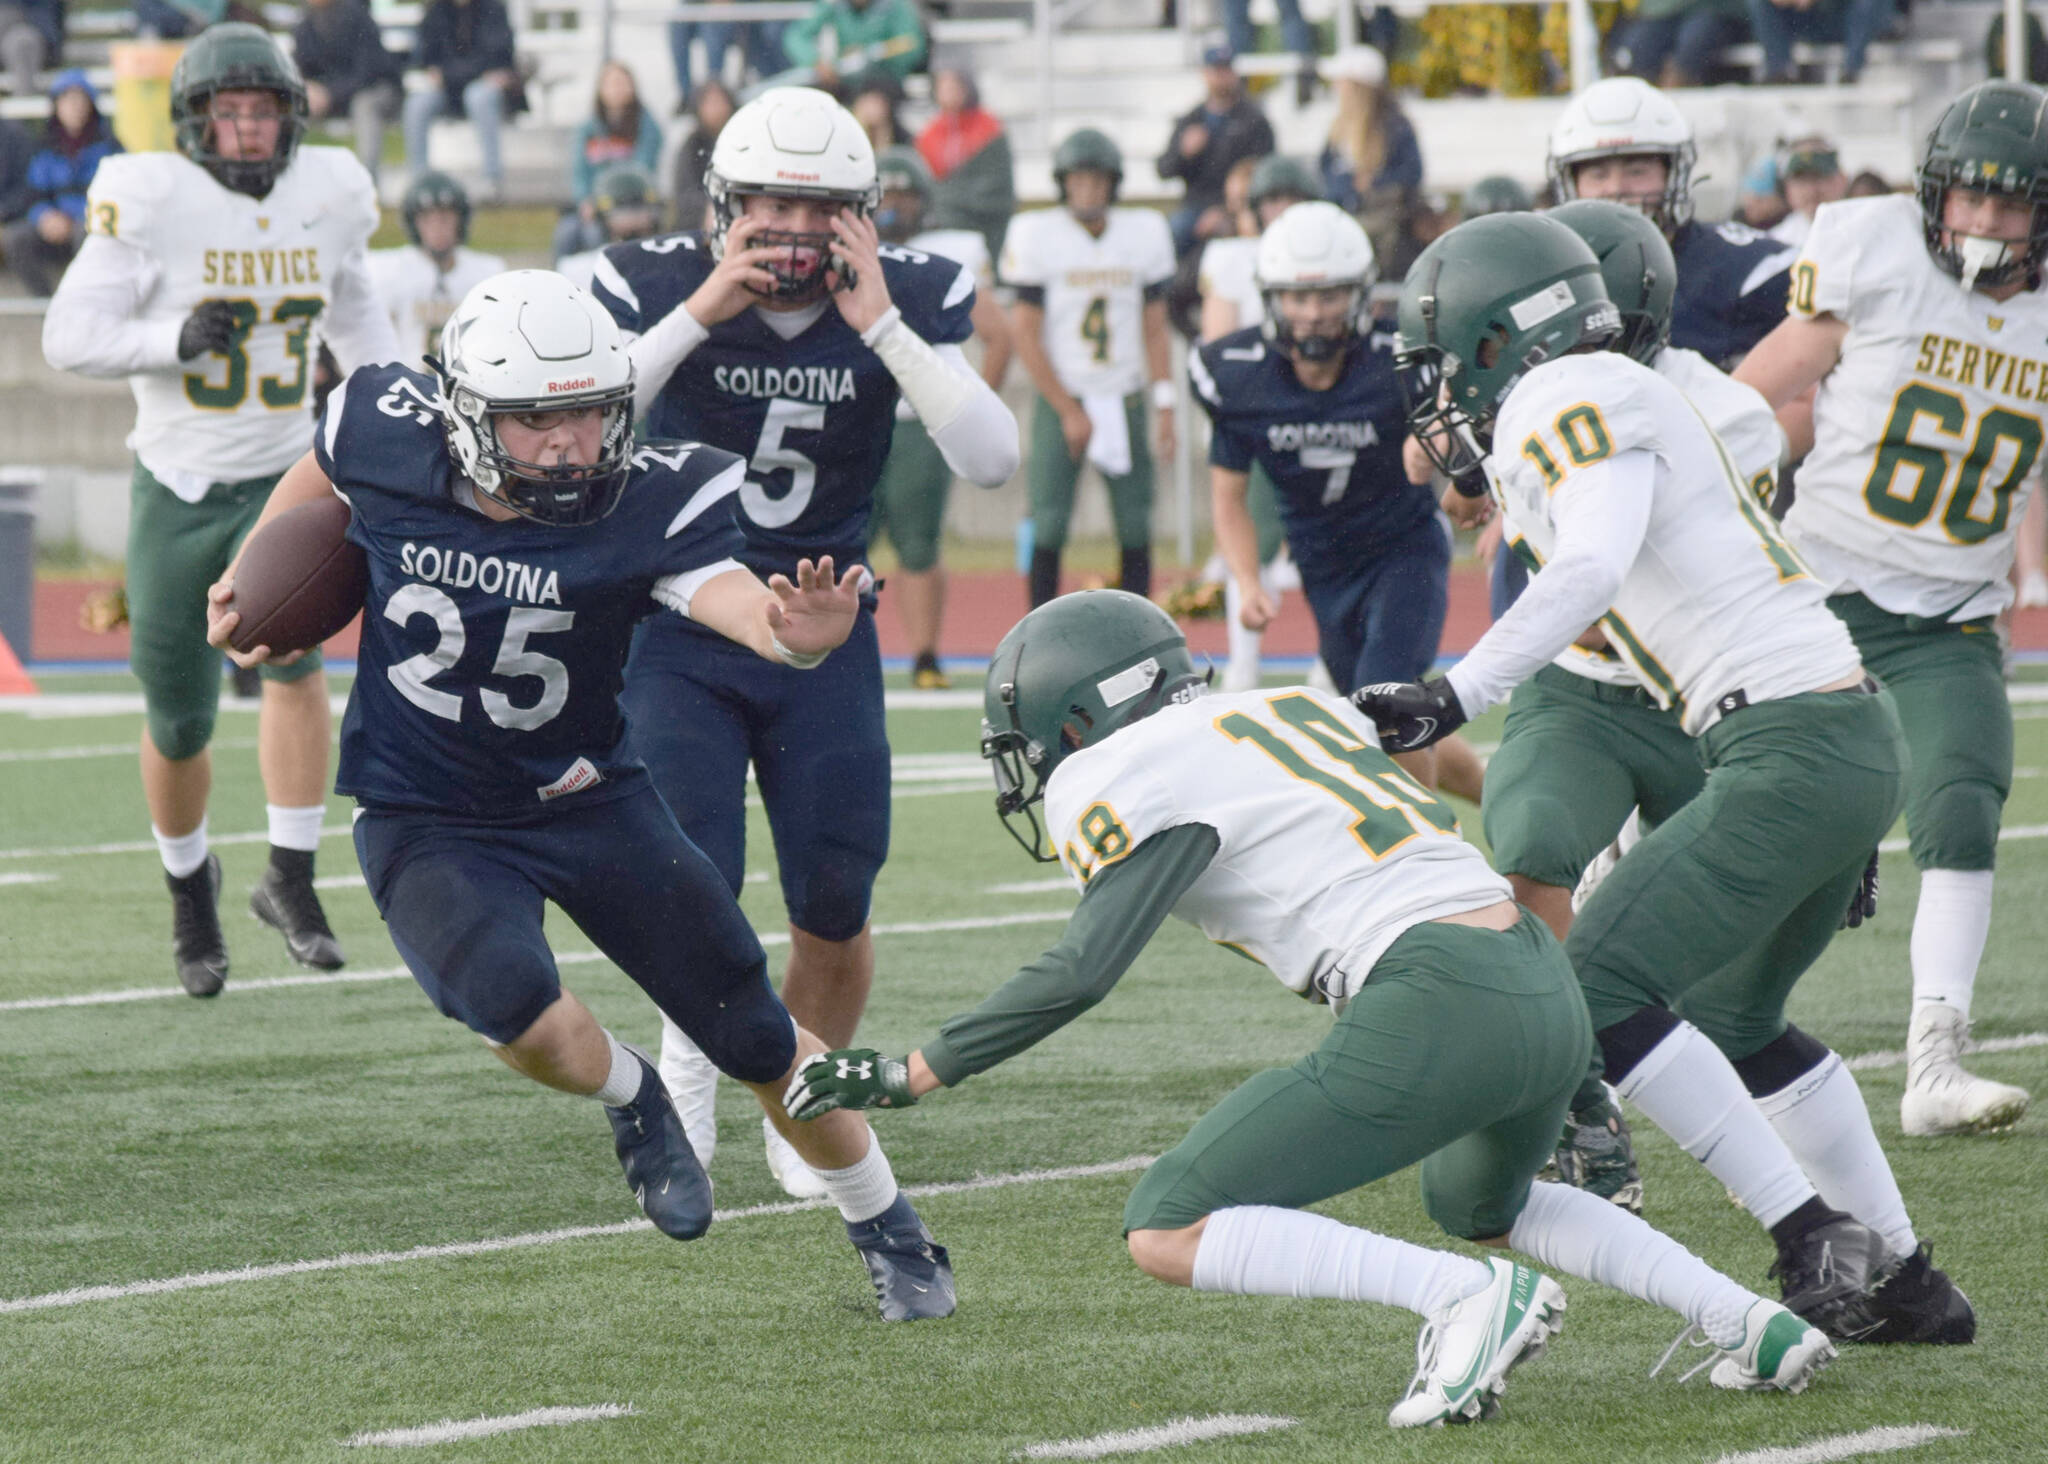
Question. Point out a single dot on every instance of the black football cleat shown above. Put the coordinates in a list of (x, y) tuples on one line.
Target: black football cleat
[(285, 901), (661, 1167), (1918, 1303), (198, 949), (1829, 1273), (913, 1279)]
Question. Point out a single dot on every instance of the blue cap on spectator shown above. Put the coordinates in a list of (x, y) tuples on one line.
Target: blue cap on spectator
[(64, 81), (1762, 177), (1219, 55)]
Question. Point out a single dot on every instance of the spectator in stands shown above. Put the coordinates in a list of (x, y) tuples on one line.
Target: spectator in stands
[(618, 130), (975, 183), (465, 47), (713, 106), (1867, 184), (348, 72), (1207, 143), (76, 137), (1851, 23), (1372, 164), (626, 208), (1809, 175), (1758, 203), (872, 35), (1295, 35), (1675, 42), (31, 36), (874, 104)]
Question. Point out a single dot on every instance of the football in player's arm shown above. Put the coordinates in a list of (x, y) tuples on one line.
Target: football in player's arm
[(209, 278), (515, 537), (1917, 322), (1274, 824)]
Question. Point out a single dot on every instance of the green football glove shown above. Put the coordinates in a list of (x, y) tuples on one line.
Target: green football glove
[(853, 1077)]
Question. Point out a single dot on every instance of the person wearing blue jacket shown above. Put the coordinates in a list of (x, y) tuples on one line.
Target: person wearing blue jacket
[(41, 242)]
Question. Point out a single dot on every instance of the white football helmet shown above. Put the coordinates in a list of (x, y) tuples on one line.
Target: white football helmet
[(1315, 246), (793, 142), (1624, 116), (530, 341)]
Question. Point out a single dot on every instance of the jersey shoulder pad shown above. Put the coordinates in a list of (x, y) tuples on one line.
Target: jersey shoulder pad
[(1222, 369), (1104, 801), (1737, 412), (1023, 258), (485, 265), (934, 293), (335, 175), (383, 436), (1853, 245), (683, 489), (1149, 242), (1587, 407), (1226, 264), (640, 281), (128, 192)]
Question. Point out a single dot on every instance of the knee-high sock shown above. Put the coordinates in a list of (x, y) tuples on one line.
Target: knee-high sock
[(1572, 1230), (1823, 1121), (1262, 1250), (1241, 671), (1691, 1091), (1949, 930)]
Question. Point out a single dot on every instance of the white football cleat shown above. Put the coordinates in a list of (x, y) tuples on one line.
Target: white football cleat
[(692, 1084), (1941, 1097), (1463, 1357), (1778, 1351), (798, 1180)]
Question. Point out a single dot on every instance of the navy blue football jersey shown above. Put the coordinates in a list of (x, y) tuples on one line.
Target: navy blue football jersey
[(813, 416), (492, 652), (1731, 289), (1334, 456)]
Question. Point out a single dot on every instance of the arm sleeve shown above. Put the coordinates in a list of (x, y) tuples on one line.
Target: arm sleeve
[(1601, 514), (91, 326), (657, 353), (967, 420), (1118, 914)]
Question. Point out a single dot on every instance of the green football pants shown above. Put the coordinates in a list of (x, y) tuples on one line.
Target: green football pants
[(1461, 1051), (1054, 474), (910, 499)]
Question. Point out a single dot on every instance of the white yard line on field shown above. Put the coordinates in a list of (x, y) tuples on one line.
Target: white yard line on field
[(340, 882), (1871, 1060), (106, 749), (52, 705), (1890, 1440), (1167, 1435), (26, 879), (354, 1260), (567, 958), (148, 846), (1030, 887), (449, 1431)]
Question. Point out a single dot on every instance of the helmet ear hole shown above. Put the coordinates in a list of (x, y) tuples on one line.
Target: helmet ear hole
[(1490, 347)]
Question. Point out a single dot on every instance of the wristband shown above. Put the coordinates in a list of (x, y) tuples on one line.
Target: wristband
[(796, 660), (1163, 396)]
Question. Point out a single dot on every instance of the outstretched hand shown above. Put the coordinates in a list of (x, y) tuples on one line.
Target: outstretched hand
[(816, 614), (852, 1077)]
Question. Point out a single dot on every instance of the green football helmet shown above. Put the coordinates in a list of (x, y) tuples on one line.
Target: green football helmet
[(1091, 150), (1635, 262), (232, 57), (1496, 193), (1069, 674), (1279, 176), (1481, 306), (1994, 139), (430, 191), (902, 170)]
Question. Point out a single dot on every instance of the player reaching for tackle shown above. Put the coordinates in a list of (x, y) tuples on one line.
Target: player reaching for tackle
[(1273, 823), (1920, 324), (1689, 949), (515, 537), (787, 336), (209, 278)]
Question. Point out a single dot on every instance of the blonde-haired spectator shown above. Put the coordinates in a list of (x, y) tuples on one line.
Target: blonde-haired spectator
[(1372, 165)]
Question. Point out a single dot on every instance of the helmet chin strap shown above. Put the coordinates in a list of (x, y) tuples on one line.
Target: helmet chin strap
[(1979, 254)]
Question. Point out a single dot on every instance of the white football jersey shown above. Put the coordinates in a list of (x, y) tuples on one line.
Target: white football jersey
[(246, 412), (1928, 430), (1230, 268), (966, 248), (419, 296), (1747, 427), (1715, 602), (1328, 851), (1094, 291)]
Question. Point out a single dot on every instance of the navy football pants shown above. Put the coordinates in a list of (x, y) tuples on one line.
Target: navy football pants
[(1381, 619)]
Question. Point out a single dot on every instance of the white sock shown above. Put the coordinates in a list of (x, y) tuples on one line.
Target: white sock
[(1246, 646), (182, 853), (1949, 930), (1690, 1090), (1261, 1250), (296, 828), (1572, 1230), (865, 1188), (622, 1084), (1823, 1121)]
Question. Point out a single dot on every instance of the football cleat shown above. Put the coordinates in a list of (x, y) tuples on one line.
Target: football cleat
[(198, 949), (1918, 1303), (285, 901), (1597, 1155), (798, 1180), (1463, 1356), (913, 1279), (1778, 1351), (1828, 1274), (1942, 1098), (926, 674), (692, 1083), (662, 1169)]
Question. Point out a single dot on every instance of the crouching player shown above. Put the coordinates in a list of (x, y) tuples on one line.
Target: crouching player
[(515, 537), (1273, 823)]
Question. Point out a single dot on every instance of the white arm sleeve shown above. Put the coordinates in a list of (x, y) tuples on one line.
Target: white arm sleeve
[(358, 326), (974, 431), (1600, 515), (91, 326), (657, 353)]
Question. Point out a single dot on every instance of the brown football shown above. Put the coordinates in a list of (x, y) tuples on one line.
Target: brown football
[(300, 580)]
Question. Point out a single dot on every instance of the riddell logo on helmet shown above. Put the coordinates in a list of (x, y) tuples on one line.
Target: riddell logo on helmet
[(784, 175), (581, 383)]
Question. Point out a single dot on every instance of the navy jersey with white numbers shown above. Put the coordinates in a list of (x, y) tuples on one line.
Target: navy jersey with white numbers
[(813, 416), (1732, 283), (1334, 456), (493, 652)]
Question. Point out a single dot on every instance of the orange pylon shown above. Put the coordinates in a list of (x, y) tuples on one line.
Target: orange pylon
[(14, 680)]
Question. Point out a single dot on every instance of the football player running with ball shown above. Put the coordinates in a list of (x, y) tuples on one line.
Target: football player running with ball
[(1916, 322), (787, 336), (209, 278), (515, 537), (1273, 823), (1688, 950)]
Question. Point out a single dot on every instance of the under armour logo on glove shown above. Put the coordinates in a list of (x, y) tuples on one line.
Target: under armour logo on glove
[(1411, 715), (851, 1069), (854, 1077)]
